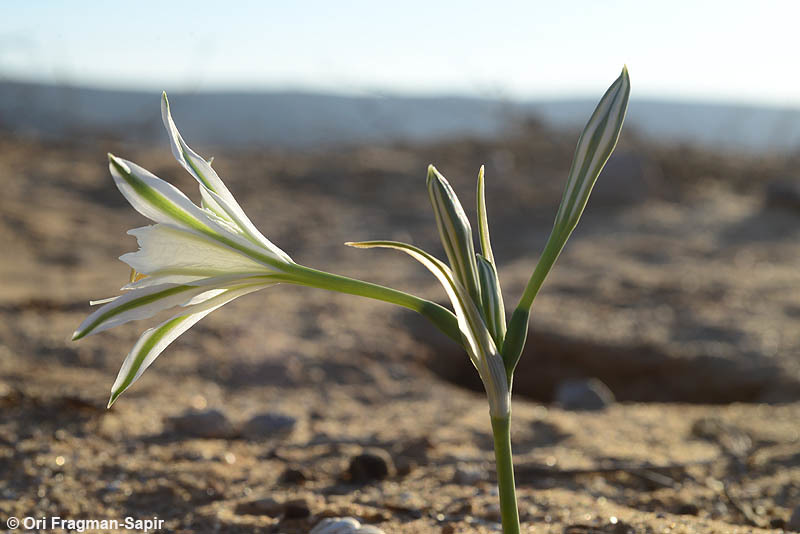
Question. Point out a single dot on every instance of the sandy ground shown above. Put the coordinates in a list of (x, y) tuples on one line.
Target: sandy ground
[(680, 291)]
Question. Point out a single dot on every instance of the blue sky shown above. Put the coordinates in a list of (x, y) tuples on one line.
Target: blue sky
[(732, 51)]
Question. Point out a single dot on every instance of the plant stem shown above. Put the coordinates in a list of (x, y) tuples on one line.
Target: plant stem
[(517, 331), (555, 243), (501, 428), (440, 316)]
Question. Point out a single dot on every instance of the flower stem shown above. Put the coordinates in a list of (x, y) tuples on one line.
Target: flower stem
[(517, 331), (440, 316), (501, 428)]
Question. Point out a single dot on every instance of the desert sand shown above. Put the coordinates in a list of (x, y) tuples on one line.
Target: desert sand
[(680, 291)]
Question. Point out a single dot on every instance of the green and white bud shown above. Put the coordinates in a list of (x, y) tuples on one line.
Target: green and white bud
[(595, 146), (483, 220), (455, 232), (494, 312)]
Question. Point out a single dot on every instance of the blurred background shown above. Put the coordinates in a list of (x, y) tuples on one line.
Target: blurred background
[(661, 383)]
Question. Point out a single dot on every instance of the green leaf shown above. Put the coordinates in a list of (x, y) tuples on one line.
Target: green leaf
[(477, 340)]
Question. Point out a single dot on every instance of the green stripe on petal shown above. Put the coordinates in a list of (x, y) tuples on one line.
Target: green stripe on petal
[(208, 203), (191, 160), (235, 214), (161, 202), (595, 145), (142, 302), (492, 300), (216, 195), (455, 232), (483, 220), (167, 249), (132, 306), (153, 341), (154, 198)]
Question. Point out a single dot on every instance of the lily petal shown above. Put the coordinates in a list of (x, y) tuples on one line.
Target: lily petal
[(139, 304), (191, 160), (238, 217), (162, 202), (153, 341), (166, 249), (216, 195), (145, 302)]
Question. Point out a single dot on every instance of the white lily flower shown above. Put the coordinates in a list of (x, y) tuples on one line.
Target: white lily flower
[(198, 258)]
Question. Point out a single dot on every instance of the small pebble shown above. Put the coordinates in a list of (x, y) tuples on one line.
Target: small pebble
[(268, 425), (344, 525), (492, 512), (469, 475), (621, 527), (296, 509), (209, 424), (584, 394), (266, 506), (731, 438), (448, 529), (784, 194), (370, 466), (777, 523), (794, 521), (292, 475)]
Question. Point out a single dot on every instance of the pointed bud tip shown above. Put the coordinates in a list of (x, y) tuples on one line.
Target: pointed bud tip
[(111, 401), (432, 173), (434, 176)]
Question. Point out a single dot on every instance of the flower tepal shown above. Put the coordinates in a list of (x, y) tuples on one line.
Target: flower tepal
[(196, 258)]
